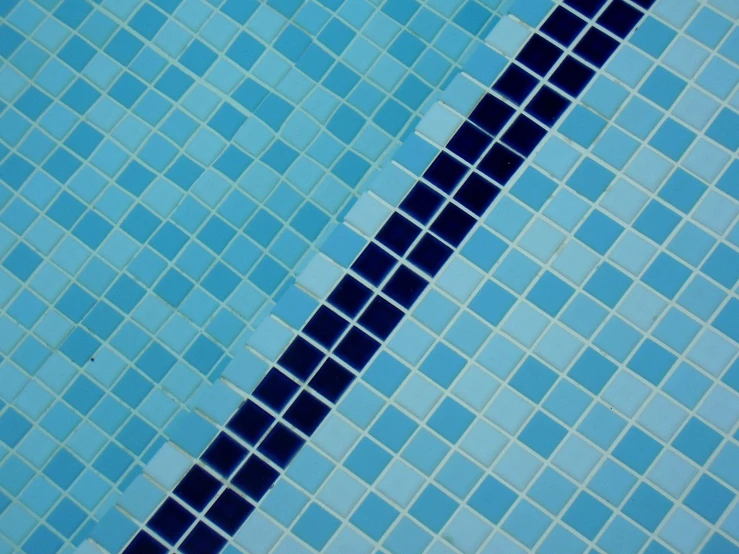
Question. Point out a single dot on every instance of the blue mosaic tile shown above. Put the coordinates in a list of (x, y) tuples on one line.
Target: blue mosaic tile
[(147, 184), (543, 339)]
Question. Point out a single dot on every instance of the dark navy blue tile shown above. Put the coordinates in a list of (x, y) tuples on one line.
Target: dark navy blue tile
[(197, 488), (381, 317), (202, 540), (281, 445), (477, 193), (405, 286), (332, 380), (276, 389), (398, 234), (563, 26), (491, 114), (430, 254), (171, 521), (596, 46), (445, 172), (547, 106), (350, 296), (422, 202), (357, 347), (144, 543), (230, 511), (224, 454), (255, 477), (300, 358), (453, 224), (620, 18), (325, 327), (515, 84), (524, 135), (469, 142), (539, 55), (572, 76), (306, 413), (586, 7), (374, 263), (250, 422), (500, 164)]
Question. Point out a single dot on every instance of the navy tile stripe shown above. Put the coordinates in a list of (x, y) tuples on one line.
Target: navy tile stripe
[(450, 199)]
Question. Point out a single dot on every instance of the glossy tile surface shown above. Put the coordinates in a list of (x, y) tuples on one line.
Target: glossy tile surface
[(523, 338), (165, 168)]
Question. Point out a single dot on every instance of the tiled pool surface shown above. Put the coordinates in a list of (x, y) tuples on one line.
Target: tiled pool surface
[(523, 338), (165, 167)]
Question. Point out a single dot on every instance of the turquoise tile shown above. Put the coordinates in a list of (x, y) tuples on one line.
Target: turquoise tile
[(656, 221), (435, 311), (723, 129), (310, 469), (729, 49), (433, 508), (459, 475), (605, 96), (629, 66), (492, 499), (531, 13), (582, 126), (407, 537), (485, 65), (662, 87), (583, 315), (666, 275), (393, 429), (599, 232), (374, 516), (450, 420), (542, 434), (533, 379), (587, 515), (114, 530), (719, 77), (560, 538), (672, 139), (316, 526), (386, 374), (708, 27), (526, 523), (367, 460), (653, 36), (468, 334), (615, 147), (248, 155)]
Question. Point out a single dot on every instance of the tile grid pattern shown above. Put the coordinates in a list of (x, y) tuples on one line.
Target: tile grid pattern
[(531, 376), (97, 283)]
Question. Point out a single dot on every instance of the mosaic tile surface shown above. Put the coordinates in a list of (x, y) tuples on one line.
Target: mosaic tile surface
[(522, 339), (524, 342), (165, 167)]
